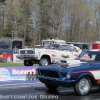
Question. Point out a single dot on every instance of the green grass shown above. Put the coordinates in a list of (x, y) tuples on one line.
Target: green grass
[(13, 64)]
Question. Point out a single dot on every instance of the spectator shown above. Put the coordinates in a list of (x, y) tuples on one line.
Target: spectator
[(15, 49)]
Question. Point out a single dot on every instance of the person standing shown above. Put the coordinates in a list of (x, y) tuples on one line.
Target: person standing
[(15, 49)]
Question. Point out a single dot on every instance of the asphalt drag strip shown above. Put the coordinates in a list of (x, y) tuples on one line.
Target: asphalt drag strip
[(40, 92), (4, 83)]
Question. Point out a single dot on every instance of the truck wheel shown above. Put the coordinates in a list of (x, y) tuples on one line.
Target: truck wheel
[(83, 86), (50, 87), (44, 61), (28, 63)]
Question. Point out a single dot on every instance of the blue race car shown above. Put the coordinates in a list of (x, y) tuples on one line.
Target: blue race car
[(80, 74)]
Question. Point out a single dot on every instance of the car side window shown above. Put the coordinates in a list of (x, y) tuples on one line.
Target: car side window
[(85, 56), (89, 57), (72, 49), (68, 48), (63, 48), (97, 58)]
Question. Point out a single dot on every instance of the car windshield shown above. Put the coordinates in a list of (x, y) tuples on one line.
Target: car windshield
[(52, 46), (89, 56)]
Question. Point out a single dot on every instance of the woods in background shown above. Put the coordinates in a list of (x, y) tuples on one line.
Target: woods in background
[(34, 20)]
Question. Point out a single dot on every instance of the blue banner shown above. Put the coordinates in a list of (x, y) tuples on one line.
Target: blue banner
[(18, 73)]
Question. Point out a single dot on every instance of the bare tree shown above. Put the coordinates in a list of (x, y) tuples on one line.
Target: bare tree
[(34, 20)]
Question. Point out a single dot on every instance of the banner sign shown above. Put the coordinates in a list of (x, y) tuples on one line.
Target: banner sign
[(15, 58), (18, 73), (8, 57)]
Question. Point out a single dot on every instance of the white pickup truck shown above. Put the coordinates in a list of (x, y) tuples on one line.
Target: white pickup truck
[(52, 53)]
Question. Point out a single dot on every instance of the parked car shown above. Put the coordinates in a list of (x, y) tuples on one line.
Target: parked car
[(81, 73), (51, 53), (5, 46)]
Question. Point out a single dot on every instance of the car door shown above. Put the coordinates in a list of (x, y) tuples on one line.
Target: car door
[(67, 52), (75, 51), (64, 53)]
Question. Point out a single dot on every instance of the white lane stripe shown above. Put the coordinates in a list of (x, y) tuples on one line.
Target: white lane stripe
[(20, 83)]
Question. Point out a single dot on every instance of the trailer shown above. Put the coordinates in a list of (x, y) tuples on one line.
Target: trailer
[(9, 43), (86, 45)]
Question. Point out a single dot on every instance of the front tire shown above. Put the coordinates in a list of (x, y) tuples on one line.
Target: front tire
[(50, 87), (28, 63), (83, 86), (44, 61)]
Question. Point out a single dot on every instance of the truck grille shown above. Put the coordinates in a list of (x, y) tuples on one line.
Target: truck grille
[(26, 52), (52, 74)]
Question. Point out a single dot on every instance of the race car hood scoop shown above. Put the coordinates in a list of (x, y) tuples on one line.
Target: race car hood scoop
[(71, 63), (66, 65)]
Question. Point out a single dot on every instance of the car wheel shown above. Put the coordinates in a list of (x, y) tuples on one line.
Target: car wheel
[(44, 61), (50, 87), (28, 63), (83, 86)]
